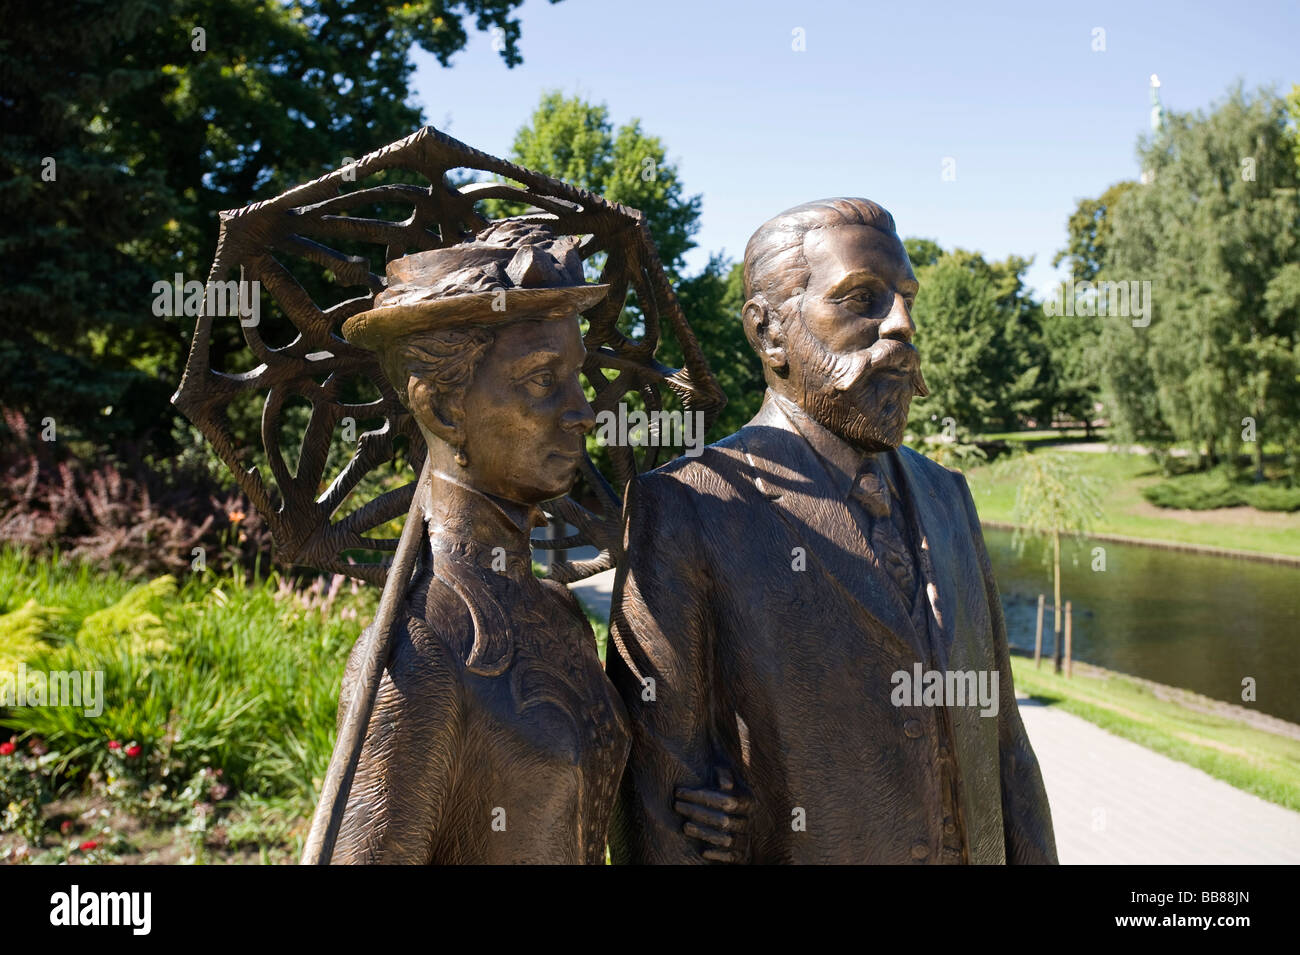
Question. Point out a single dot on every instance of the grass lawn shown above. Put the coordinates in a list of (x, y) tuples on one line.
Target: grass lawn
[(1255, 760), (1126, 512)]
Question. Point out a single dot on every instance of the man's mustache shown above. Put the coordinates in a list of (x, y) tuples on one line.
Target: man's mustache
[(849, 372)]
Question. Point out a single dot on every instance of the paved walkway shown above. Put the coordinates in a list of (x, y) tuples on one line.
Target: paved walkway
[(1115, 802), (596, 592)]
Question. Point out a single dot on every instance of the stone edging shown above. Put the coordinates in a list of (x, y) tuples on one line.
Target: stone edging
[(1259, 556)]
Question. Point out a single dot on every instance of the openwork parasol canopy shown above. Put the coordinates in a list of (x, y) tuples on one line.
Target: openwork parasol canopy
[(285, 245)]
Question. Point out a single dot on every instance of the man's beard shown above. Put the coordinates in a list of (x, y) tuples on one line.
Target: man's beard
[(862, 396)]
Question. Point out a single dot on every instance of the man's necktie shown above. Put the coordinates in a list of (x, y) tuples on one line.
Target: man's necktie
[(886, 534)]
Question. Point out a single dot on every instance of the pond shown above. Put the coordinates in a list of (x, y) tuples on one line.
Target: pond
[(1188, 620)]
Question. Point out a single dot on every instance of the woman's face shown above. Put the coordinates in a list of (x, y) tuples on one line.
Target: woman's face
[(525, 413)]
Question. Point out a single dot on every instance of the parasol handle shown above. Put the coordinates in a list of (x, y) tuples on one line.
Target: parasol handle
[(325, 823)]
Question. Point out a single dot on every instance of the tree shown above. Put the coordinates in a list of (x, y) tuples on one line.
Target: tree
[(1053, 497), (1216, 233), (712, 301), (1089, 230), (574, 140), (922, 252), (130, 125), (980, 344)]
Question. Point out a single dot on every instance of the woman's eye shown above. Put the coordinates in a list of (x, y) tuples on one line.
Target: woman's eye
[(543, 379)]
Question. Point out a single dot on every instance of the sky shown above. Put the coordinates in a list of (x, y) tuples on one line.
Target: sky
[(1034, 107)]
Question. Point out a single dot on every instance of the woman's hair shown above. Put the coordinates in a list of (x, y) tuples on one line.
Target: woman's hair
[(445, 360)]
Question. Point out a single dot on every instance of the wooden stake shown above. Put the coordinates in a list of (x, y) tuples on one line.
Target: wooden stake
[(1038, 634), (1068, 630)]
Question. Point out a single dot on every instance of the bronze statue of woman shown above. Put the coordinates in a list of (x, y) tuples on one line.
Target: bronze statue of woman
[(495, 736)]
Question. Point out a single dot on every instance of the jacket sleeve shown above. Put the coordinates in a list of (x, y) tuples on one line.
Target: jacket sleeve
[(662, 639), (408, 761), (1026, 817)]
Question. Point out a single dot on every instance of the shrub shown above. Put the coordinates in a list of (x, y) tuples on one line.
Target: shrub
[(125, 513), (212, 671), (1218, 488)]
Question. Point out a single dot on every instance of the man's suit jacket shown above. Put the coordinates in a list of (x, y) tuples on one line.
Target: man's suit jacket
[(783, 676)]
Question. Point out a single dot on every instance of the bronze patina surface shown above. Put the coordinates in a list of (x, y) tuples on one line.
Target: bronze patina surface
[(495, 736), (774, 587), (476, 724)]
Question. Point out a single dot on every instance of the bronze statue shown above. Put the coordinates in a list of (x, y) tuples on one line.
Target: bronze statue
[(476, 724), (776, 588), (495, 736)]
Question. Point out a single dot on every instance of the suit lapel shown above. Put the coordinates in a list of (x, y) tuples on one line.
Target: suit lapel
[(787, 473), (936, 525)]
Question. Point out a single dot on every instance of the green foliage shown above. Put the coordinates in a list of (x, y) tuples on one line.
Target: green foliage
[(152, 131), (1054, 495), (922, 252), (977, 330), (712, 302), (1216, 232), (22, 631), (1090, 230), (1293, 110), (1221, 488), (244, 677), (24, 789), (574, 140), (959, 455), (1071, 340)]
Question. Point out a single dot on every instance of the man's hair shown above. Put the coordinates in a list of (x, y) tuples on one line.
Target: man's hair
[(445, 359), (774, 261)]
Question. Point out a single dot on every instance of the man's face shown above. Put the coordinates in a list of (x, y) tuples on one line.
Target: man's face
[(525, 413), (852, 364)]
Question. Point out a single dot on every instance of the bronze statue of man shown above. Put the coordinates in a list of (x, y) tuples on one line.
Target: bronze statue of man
[(786, 595)]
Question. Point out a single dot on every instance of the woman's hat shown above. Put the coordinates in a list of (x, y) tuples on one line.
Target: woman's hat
[(512, 270)]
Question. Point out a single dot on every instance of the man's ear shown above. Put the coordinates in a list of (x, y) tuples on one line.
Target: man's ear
[(429, 413), (765, 333)]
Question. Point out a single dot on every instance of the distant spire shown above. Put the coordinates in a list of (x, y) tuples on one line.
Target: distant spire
[(1157, 121)]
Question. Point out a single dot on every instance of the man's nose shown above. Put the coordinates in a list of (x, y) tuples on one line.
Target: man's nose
[(579, 418), (898, 323)]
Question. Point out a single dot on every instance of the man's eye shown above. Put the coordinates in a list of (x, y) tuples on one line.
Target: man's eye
[(858, 300), (543, 379)]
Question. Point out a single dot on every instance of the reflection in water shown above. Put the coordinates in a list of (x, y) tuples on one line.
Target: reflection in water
[(1188, 620)]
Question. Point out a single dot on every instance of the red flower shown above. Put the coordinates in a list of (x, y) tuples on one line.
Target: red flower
[(133, 751), (88, 845), (65, 826), (6, 749), (114, 744)]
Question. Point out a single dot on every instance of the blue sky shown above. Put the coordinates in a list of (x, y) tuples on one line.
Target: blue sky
[(883, 93)]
